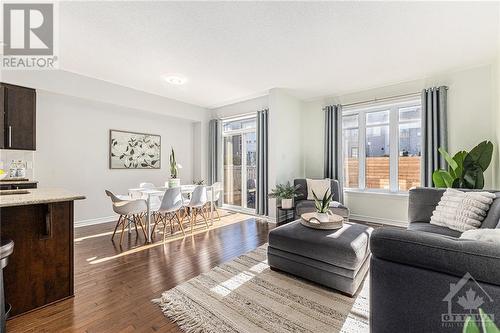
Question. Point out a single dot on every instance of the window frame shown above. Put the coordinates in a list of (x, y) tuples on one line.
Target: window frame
[(394, 122)]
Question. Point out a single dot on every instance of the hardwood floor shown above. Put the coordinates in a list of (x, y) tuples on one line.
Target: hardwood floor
[(114, 286)]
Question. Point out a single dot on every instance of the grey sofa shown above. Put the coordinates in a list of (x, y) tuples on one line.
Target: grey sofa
[(302, 205), (418, 274)]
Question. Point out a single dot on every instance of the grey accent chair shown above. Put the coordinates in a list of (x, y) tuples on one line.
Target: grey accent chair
[(302, 205), (418, 274)]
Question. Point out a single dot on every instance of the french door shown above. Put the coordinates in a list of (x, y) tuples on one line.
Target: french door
[(240, 164)]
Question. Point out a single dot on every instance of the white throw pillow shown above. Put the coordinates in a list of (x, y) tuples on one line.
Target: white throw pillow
[(484, 235), (319, 186), (462, 211)]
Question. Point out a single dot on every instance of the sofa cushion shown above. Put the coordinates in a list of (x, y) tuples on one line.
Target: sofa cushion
[(346, 247), (438, 253), (435, 229), (462, 211), (492, 220), (307, 206)]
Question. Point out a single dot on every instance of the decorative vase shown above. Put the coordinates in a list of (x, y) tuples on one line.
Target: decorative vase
[(174, 182), (286, 203), (322, 217)]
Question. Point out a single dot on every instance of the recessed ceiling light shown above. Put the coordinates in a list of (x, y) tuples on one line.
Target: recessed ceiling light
[(175, 79)]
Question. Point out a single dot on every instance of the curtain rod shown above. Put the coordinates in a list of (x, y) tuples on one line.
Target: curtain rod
[(382, 99)]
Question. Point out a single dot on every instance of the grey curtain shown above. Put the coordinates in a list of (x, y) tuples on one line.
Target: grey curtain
[(262, 163), (434, 132), (333, 168), (213, 151)]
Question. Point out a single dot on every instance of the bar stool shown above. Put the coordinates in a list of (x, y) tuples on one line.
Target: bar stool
[(6, 249)]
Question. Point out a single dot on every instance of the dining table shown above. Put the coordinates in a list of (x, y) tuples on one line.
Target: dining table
[(157, 192)]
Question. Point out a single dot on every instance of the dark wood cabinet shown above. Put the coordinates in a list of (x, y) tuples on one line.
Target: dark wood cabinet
[(40, 270), (17, 117)]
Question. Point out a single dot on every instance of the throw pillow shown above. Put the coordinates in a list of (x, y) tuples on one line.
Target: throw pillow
[(319, 186), (485, 235), (462, 211)]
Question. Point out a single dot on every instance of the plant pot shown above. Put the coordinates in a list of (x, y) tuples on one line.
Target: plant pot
[(174, 182), (322, 217), (286, 203)]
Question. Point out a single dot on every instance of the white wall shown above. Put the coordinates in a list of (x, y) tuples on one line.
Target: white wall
[(73, 149), (74, 116), (471, 111), (243, 107), (285, 148)]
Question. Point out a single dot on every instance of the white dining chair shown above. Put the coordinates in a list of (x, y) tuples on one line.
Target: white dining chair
[(213, 195), (197, 204), (130, 212), (170, 209)]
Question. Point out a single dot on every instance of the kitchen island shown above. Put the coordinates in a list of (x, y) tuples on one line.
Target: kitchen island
[(40, 222)]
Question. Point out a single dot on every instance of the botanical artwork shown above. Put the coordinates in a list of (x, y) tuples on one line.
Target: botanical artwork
[(130, 150)]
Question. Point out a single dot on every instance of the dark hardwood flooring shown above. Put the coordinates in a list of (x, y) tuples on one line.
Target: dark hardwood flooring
[(114, 286)]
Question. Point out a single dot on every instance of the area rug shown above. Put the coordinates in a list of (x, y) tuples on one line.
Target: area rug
[(246, 296)]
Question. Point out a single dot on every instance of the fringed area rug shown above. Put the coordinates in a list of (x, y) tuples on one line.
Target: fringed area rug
[(245, 296)]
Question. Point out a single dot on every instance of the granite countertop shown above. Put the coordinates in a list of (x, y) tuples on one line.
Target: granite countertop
[(7, 181), (37, 196)]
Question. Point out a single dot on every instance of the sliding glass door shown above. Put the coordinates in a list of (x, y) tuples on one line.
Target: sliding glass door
[(240, 153)]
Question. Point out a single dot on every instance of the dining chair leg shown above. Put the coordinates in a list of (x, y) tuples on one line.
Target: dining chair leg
[(116, 226), (156, 219), (142, 227), (193, 218), (179, 221), (217, 212), (125, 219), (136, 232), (204, 218)]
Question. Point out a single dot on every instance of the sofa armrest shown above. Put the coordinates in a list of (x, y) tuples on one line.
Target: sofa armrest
[(421, 203), (438, 253)]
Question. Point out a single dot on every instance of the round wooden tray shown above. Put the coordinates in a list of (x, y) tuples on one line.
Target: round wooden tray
[(309, 220)]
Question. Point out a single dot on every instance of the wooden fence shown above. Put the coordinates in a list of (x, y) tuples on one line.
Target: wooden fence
[(377, 172)]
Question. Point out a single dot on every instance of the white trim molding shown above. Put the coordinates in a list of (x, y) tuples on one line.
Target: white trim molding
[(99, 220), (378, 220)]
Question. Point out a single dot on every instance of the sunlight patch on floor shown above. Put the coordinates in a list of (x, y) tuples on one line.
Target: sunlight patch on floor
[(201, 229), (226, 287)]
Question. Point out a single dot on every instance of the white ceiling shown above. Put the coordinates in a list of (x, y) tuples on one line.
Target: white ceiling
[(232, 50)]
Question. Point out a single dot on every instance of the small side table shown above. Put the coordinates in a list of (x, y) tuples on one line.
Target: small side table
[(284, 215)]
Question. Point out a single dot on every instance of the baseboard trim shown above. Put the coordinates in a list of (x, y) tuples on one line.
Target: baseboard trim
[(98, 220), (378, 220)]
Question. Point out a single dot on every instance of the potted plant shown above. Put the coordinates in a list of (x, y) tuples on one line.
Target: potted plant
[(285, 193), (465, 169), (174, 181), (323, 207)]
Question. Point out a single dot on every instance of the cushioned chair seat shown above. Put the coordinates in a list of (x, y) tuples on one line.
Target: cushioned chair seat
[(435, 229)]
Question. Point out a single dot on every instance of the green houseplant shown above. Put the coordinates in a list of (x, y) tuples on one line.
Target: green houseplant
[(285, 193), (323, 206), (487, 325), (465, 169), (174, 180)]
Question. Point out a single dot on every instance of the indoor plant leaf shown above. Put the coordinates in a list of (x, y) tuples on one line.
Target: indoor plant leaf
[(451, 162), (487, 324), (459, 159), (442, 179), (482, 154), (470, 326)]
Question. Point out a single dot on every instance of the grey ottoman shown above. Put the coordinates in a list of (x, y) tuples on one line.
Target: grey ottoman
[(338, 259)]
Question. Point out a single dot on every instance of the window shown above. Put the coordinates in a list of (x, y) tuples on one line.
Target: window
[(382, 146)]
